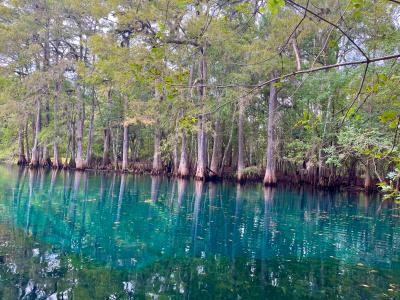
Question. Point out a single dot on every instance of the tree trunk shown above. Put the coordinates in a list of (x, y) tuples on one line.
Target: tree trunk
[(183, 170), (21, 151), (125, 142), (270, 172), (125, 149), (66, 166), (175, 159), (201, 169), (241, 164), (56, 160), (71, 163), (107, 135), (296, 54), (79, 160), (27, 140), (367, 179), (216, 150), (106, 149), (133, 146), (228, 146), (115, 142), (35, 149), (89, 149), (46, 161), (157, 165)]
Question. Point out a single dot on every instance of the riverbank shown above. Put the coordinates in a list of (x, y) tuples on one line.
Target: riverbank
[(254, 174)]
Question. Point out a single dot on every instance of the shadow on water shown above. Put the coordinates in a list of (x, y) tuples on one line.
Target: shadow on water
[(85, 236)]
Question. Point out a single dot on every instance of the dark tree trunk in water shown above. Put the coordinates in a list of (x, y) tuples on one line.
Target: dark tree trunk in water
[(352, 178), (89, 149), (367, 178), (241, 164), (35, 150), (216, 150), (183, 170), (201, 169), (270, 172), (79, 160), (21, 151), (125, 142)]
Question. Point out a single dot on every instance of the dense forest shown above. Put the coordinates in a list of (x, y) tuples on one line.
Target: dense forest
[(301, 91)]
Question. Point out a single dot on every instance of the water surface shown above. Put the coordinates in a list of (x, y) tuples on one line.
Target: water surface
[(79, 235)]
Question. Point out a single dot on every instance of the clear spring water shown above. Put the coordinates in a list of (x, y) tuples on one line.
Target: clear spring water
[(72, 235)]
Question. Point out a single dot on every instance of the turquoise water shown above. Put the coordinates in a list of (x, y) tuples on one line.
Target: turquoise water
[(79, 235)]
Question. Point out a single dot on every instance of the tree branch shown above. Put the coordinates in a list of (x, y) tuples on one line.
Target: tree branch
[(311, 70), (330, 23)]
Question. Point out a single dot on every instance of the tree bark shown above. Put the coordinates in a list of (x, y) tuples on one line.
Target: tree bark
[(106, 144), (21, 151), (106, 149), (89, 149), (45, 160), (71, 163), (241, 164), (125, 149), (367, 178), (125, 142), (157, 165), (201, 168), (216, 150), (175, 159), (270, 172), (56, 160), (27, 141), (79, 160), (35, 150), (115, 142), (297, 56), (183, 170), (66, 166)]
